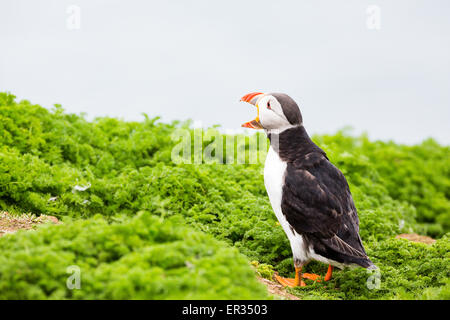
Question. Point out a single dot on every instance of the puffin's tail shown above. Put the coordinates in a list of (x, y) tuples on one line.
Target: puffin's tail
[(372, 266), (365, 263)]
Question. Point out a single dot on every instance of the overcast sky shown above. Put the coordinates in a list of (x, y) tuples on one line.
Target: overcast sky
[(195, 59)]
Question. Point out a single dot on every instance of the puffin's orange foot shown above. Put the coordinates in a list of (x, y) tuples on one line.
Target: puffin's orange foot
[(311, 276), (290, 282), (329, 273), (316, 277)]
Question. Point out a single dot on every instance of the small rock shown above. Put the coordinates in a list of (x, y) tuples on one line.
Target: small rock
[(53, 219), (416, 238)]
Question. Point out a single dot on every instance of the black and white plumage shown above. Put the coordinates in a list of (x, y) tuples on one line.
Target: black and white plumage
[(309, 195)]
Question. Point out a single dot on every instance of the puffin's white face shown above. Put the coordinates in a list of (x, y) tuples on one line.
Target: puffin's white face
[(270, 113)]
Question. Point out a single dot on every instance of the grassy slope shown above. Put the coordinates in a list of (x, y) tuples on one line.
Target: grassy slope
[(128, 166)]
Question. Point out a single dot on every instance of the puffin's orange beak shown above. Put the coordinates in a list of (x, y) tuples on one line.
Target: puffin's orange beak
[(253, 98)]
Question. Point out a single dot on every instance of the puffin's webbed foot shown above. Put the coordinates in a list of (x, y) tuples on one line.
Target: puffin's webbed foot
[(299, 276), (311, 276), (316, 277), (292, 282)]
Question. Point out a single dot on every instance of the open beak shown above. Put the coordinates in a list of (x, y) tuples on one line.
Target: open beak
[(253, 99)]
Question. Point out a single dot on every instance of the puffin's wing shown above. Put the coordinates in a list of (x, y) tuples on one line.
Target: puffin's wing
[(317, 200)]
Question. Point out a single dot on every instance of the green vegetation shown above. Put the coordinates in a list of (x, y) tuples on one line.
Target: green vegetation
[(140, 258), (135, 221)]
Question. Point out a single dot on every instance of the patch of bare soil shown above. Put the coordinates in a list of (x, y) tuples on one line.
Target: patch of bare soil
[(416, 238), (277, 289), (11, 223)]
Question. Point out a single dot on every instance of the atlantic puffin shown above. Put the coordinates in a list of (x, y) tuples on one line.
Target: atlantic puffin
[(309, 195)]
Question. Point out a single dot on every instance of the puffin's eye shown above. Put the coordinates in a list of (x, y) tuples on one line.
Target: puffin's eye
[(268, 105)]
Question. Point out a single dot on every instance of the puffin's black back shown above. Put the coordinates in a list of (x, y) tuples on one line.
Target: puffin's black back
[(317, 201)]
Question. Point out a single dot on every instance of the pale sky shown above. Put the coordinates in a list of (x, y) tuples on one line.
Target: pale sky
[(195, 59)]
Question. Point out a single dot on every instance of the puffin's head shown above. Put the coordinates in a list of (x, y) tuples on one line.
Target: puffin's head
[(276, 111)]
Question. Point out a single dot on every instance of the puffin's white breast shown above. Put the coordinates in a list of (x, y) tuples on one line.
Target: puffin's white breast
[(274, 172)]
